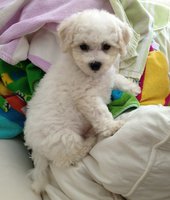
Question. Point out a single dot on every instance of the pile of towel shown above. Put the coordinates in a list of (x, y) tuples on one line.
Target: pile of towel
[(29, 46)]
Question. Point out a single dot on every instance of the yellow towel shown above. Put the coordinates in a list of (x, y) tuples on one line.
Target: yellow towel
[(155, 83)]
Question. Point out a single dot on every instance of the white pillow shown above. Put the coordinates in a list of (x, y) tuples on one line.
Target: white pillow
[(135, 162)]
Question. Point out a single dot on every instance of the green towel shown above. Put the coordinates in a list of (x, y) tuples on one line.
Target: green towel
[(121, 102), (136, 16)]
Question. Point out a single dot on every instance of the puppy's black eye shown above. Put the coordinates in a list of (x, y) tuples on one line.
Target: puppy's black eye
[(84, 47), (106, 47)]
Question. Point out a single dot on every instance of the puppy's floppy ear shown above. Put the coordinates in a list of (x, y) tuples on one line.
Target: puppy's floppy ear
[(65, 33), (124, 35)]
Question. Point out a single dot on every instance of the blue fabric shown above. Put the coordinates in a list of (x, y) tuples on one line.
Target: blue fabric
[(14, 116), (9, 129), (116, 94), (11, 123)]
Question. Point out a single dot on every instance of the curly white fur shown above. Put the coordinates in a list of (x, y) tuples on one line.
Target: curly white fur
[(69, 107)]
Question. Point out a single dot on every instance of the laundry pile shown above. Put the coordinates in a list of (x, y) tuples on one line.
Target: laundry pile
[(29, 46)]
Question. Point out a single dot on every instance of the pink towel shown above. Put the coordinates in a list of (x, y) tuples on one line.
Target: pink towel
[(28, 27)]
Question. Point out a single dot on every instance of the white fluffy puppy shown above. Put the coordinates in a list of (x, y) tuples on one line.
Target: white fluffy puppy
[(71, 99)]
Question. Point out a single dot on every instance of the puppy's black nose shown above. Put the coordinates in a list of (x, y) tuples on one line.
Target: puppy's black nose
[(95, 66)]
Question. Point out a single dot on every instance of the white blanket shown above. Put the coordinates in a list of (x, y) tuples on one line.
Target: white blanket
[(135, 162)]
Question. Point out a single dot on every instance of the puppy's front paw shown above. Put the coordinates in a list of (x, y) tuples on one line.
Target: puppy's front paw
[(134, 89), (111, 129)]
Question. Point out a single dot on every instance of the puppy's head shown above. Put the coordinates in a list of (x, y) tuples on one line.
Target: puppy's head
[(94, 39)]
